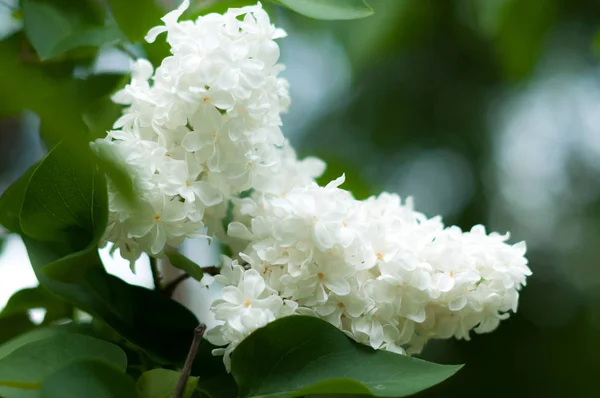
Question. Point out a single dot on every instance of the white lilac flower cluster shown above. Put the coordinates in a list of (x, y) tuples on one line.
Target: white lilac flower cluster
[(386, 275), (202, 127), (205, 126)]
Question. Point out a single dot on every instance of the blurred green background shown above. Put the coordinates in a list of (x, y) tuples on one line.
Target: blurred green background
[(485, 111)]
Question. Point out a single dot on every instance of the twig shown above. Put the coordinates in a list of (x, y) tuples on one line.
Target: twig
[(169, 289), (187, 368), (211, 270), (155, 273)]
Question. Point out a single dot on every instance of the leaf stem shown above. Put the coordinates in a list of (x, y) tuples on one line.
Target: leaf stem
[(155, 272), (187, 368)]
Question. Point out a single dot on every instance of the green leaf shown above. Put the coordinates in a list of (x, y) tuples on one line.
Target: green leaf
[(60, 203), (24, 300), (26, 367), (329, 9), (45, 332), (98, 86), (136, 17), (222, 386), (180, 261), (45, 26), (89, 379), (101, 115), (60, 115), (199, 8), (65, 200), (99, 111), (14, 325), (160, 383), (11, 202), (298, 355), (122, 306), (37, 297), (95, 36), (28, 337), (52, 32)]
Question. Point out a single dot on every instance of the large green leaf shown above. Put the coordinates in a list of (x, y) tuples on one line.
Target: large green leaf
[(65, 201), (199, 8), (53, 32), (94, 92), (11, 202), (45, 332), (14, 325), (94, 36), (45, 26), (329, 9), (89, 379), (160, 383), (62, 217), (24, 369), (299, 355), (28, 337), (122, 306), (37, 297), (222, 386)]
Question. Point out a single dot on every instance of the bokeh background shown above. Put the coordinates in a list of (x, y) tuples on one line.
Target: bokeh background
[(485, 111)]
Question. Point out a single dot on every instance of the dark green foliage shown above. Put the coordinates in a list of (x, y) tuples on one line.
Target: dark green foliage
[(330, 9), (298, 355), (90, 379), (160, 383), (28, 366)]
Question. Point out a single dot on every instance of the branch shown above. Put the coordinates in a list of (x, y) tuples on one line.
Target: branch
[(187, 368), (155, 273), (211, 270), (169, 289)]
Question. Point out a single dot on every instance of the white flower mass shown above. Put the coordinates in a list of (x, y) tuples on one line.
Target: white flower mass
[(383, 273), (205, 126), (201, 128)]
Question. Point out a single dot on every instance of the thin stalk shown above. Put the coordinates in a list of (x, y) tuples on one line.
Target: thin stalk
[(171, 286), (155, 273), (187, 368)]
